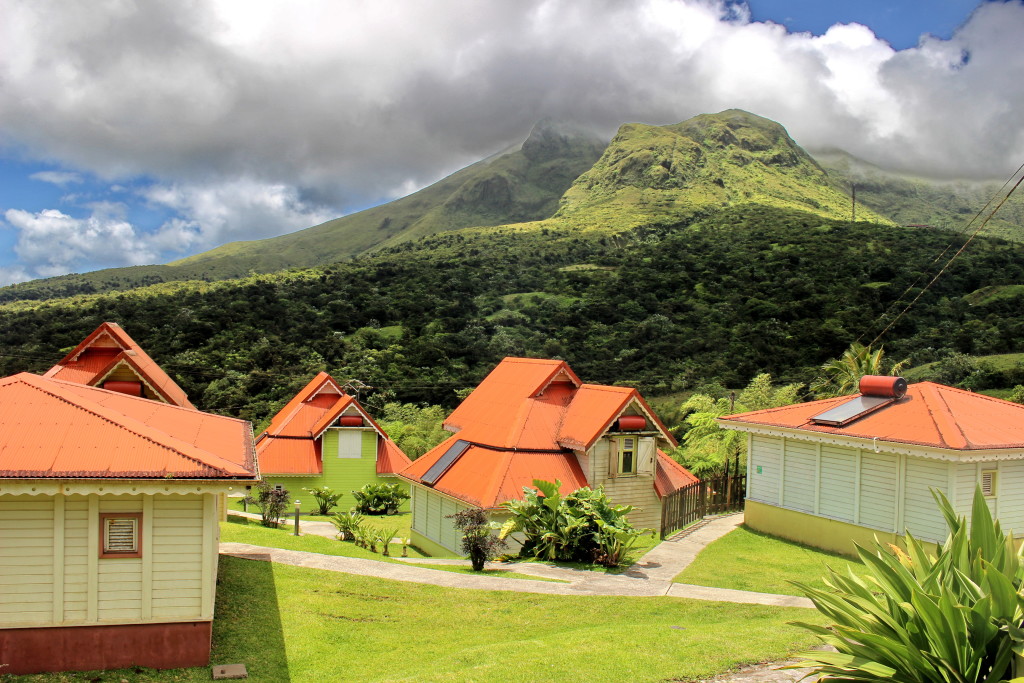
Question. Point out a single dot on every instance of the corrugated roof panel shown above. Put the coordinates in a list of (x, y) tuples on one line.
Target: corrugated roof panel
[(390, 458), (929, 415), (670, 476), (288, 456), (51, 428)]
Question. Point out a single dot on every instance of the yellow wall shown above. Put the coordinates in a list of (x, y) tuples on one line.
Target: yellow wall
[(820, 532), (51, 572)]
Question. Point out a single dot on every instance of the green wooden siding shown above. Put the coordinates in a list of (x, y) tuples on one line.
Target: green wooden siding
[(344, 475)]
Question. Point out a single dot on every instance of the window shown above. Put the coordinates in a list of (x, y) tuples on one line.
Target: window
[(121, 534), (988, 483), (627, 455)]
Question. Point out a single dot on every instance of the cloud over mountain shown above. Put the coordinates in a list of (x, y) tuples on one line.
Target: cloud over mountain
[(336, 105)]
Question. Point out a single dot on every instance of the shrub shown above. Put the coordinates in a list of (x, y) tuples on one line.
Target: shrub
[(378, 499), (955, 615), (385, 536), (583, 526), (478, 541), (347, 523), (271, 502), (325, 498)]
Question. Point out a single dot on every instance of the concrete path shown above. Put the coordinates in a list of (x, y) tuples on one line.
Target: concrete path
[(652, 576)]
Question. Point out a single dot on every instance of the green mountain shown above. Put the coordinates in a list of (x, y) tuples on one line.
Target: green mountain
[(513, 186), (658, 174), (909, 200), (562, 178)]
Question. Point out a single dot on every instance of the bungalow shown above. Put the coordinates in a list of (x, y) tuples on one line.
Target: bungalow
[(110, 359), (843, 470), (324, 437), (534, 419), (108, 525)]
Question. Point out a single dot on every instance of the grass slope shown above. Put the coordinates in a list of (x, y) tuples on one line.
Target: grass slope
[(750, 561), (296, 624)]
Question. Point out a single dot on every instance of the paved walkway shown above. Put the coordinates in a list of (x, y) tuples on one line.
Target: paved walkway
[(652, 576)]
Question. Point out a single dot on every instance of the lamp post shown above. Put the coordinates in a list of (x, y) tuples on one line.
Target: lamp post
[(297, 504)]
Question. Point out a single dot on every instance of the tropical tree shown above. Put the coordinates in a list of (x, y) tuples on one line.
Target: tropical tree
[(706, 446), (841, 376)]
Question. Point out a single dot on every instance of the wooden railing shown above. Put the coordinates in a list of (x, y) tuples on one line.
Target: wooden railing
[(699, 499)]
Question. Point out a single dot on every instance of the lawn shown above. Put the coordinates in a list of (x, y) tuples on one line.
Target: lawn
[(297, 624), (747, 560), (250, 531)]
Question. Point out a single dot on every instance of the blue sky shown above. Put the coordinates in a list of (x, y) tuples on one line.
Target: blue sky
[(141, 133)]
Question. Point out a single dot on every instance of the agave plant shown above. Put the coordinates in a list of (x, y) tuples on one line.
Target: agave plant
[(955, 615)]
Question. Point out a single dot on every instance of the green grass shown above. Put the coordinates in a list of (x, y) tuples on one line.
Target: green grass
[(747, 560), (999, 361), (253, 533), (297, 624)]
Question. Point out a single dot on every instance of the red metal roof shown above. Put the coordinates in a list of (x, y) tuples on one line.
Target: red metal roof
[(390, 458), (930, 414), (290, 444), (671, 476), (52, 428), (107, 347), (523, 422)]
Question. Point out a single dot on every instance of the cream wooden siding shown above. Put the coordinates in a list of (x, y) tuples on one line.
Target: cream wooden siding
[(625, 489), (801, 476), (879, 477), (1009, 499), (838, 476), (51, 572), (597, 473), (921, 516), (430, 517), (966, 478), (766, 454), (26, 561), (177, 549)]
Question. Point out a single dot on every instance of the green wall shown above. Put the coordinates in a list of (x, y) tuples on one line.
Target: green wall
[(344, 475)]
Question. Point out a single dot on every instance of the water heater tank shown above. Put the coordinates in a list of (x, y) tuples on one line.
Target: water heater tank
[(883, 385)]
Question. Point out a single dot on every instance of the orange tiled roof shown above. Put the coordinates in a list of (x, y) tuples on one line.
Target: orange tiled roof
[(523, 422), (486, 477), (289, 445), (930, 414), (103, 350), (52, 428)]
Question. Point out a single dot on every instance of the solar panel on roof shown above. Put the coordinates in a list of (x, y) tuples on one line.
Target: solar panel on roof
[(846, 413), (444, 462)]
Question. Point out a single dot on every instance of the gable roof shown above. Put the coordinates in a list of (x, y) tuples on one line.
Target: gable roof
[(523, 422), (931, 415), (290, 444), (56, 429), (107, 348)]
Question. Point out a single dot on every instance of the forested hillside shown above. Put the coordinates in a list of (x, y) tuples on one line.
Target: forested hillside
[(725, 296)]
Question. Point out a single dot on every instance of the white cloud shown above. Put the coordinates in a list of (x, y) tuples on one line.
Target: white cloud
[(53, 243), (58, 178), (251, 116)]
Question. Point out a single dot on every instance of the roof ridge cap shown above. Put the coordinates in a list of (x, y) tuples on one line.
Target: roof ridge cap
[(103, 413)]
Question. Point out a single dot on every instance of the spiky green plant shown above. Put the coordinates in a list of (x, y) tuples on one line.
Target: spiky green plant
[(954, 615)]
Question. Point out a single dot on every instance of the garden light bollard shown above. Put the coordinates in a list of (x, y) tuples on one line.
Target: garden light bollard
[(297, 504)]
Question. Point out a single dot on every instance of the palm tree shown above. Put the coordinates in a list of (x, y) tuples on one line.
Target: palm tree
[(841, 376)]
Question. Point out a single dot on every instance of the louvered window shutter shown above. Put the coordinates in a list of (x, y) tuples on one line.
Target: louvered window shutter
[(613, 458), (988, 483)]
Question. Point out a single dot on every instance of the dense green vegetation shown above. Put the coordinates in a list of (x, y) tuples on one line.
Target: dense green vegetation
[(710, 302)]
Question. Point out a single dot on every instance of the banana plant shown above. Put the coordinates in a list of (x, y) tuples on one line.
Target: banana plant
[(952, 615)]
